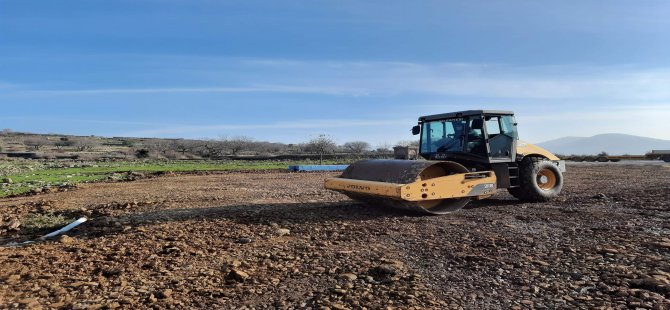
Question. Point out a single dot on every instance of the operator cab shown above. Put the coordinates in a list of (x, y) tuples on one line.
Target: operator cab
[(482, 136)]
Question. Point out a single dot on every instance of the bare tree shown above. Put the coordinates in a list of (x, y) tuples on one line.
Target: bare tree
[(238, 143), (268, 147), (296, 148), (128, 143), (127, 152), (35, 143), (183, 146), (63, 142), (383, 147), (209, 148), (321, 145), (413, 143), (357, 147), (157, 145), (6, 131), (86, 144)]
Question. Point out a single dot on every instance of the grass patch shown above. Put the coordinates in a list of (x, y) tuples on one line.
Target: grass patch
[(27, 180), (37, 222)]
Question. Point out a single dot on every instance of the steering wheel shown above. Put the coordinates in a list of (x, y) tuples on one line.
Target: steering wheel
[(447, 146)]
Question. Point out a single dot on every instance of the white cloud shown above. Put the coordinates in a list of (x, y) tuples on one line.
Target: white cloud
[(482, 80), (69, 120), (251, 89), (297, 124), (550, 101), (359, 78), (7, 86)]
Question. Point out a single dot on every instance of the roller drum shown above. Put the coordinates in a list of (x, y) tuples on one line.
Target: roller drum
[(405, 172)]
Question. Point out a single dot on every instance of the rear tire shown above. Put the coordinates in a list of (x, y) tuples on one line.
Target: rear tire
[(539, 180)]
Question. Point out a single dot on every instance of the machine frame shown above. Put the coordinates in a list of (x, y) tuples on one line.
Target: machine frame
[(449, 179)]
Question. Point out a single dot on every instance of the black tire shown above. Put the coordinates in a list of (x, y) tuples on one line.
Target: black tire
[(530, 190)]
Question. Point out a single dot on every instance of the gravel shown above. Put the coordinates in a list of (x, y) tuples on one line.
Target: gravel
[(271, 240)]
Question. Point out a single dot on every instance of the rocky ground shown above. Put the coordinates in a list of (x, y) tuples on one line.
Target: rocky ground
[(269, 240)]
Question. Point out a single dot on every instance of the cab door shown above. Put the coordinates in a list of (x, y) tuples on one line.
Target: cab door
[(501, 136)]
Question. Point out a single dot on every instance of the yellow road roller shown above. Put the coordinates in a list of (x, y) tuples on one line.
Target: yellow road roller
[(468, 155)]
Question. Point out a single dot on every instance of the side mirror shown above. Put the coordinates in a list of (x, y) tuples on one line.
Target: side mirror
[(416, 130)]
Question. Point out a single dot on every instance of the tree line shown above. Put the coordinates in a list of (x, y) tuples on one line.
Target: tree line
[(187, 148)]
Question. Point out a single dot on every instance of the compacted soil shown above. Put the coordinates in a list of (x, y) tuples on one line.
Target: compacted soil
[(277, 240)]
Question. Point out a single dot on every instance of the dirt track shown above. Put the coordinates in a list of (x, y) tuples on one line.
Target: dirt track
[(278, 240)]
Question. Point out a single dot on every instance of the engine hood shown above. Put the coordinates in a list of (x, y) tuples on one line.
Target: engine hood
[(525, 149)]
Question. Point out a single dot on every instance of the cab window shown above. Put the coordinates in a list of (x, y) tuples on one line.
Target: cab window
[(493, 126), (507, 124)]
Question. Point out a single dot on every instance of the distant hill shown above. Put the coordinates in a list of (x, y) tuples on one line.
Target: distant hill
[(612, 143)]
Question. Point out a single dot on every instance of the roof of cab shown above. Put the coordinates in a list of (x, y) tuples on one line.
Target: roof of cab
[(463, 114)]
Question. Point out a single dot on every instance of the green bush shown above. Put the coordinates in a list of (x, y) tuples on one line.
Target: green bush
[(142, 153)]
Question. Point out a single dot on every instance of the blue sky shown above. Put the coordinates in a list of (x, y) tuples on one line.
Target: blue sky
[(290, 70)]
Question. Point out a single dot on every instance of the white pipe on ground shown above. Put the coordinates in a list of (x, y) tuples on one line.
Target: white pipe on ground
[(65, 229)]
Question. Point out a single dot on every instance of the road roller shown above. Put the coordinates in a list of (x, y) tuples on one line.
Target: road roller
[(464, 155)]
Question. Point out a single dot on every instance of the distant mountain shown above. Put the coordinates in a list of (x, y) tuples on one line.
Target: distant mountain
[(612, 143)]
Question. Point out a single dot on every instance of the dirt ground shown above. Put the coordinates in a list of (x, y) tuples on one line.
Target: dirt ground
[(278, 240)]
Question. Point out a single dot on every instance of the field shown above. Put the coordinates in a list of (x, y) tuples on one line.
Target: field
[(36, 176), (269, 239)]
